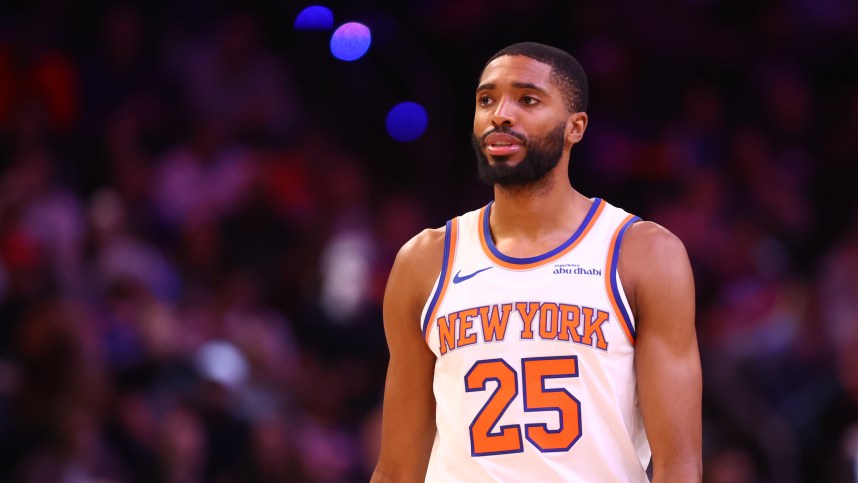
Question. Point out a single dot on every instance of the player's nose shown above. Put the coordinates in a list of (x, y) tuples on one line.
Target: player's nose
[(503, 113)]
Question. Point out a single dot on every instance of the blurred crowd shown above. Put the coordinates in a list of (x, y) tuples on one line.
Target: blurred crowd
[(199, 209)]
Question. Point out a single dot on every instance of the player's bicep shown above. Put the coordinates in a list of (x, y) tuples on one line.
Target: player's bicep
[(667, 360)]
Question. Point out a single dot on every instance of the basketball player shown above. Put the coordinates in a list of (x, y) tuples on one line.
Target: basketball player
[(546, 336)]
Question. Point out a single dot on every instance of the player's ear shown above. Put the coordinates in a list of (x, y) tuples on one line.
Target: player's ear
[(576, 124)]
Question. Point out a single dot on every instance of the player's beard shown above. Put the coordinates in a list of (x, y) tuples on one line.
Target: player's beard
[(542, 156)]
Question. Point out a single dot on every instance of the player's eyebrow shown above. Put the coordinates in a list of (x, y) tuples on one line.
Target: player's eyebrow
[(518, 85), (529, 85)]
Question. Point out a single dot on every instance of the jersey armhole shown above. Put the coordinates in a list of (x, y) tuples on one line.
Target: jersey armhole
[(612, 280), (450, 237)]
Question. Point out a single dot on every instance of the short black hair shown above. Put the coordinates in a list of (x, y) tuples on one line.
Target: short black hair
[(566, 72)]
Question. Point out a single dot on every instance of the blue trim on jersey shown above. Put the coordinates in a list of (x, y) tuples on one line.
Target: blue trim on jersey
[(440, 287), (614, 287), (523, 261)]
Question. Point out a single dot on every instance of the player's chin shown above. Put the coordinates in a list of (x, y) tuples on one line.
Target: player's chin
[(498, 159), (506, 160)]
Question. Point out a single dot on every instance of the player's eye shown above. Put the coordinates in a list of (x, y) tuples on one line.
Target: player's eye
[(529, 100), (484, 100)]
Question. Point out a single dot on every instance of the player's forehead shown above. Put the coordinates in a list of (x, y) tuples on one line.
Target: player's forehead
[(509, 70)]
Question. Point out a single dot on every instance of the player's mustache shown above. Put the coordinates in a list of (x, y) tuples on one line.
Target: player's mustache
[(502, 130)]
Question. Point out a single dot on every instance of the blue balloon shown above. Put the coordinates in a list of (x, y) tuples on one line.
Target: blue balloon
[(407, 121), (350, 41), (315, 17)]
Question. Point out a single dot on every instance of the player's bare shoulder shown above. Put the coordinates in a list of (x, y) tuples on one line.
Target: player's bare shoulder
[(653, 240), (417, 265), (423, 243), (651, 255)]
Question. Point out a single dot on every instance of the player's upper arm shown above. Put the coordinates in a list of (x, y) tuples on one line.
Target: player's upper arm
[(657, 276), (408, 421), (411, 280)]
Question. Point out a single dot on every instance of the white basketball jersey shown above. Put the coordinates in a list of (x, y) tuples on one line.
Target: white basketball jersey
[(535, 376)]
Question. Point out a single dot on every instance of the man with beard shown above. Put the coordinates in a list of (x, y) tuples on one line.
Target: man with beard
[(546, 336)]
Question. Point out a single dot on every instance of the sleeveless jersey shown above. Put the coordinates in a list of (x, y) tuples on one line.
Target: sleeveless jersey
[(534, 377)]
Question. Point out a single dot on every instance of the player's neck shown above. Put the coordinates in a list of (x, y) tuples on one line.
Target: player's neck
[(546, 206)]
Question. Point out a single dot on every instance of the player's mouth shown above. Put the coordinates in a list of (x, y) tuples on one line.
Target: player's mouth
[(502, 144)]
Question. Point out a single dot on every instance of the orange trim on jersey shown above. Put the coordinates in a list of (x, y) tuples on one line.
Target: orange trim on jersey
[(609, 276), (542, 261), (446, 271)]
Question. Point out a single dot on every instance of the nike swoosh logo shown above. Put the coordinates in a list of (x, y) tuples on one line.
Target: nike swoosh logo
[(457, 278)]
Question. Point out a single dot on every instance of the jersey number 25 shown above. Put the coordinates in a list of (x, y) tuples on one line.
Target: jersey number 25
[(534, 372)]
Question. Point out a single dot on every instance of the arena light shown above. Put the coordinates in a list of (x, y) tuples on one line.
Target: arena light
[(350, 41), (406, 121), (315, 17)]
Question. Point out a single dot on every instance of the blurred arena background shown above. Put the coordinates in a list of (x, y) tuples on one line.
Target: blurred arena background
[(199, 206)]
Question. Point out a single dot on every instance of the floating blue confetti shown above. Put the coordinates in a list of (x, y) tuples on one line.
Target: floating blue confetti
[(407, 121), (350, 41), (315, 17)]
